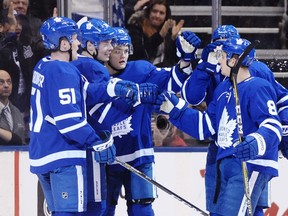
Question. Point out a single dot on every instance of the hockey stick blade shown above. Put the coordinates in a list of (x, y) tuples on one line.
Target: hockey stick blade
[(233, 78), (151, 181)]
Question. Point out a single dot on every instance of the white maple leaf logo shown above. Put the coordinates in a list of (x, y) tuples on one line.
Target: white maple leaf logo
[(225, 130), (122, 128)]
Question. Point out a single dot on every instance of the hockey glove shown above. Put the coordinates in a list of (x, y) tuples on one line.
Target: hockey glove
[(105, 151), (252, 146), (148, 93), (123, 89), (106, 156), (186, 45), (173, 106), (210, 57), (283, 146)]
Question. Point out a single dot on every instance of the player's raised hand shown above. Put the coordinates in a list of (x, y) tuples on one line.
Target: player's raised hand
[(250, 148), (172, 105), (105, 151), (123, 89), (187, 44), (148, 93), (210, 58)]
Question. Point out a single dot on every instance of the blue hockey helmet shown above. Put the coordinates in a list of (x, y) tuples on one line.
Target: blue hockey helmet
[(225, 32), (236, 46), (95, 31), (55, 28), (122, 38)]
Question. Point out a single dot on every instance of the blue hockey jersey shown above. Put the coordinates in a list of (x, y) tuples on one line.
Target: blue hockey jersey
[(98, 76), (259, 114), (59, 131), (133, 136)]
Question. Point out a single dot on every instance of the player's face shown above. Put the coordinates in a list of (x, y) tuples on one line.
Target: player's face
[(104, 50), (119, 57), (157, 15), (225, 69), (5, 85), (74, 46)]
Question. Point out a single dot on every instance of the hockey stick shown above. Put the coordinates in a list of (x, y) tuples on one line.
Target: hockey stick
[(233, 77), (148, 179)]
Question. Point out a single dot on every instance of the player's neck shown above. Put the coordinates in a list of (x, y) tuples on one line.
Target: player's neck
[(61, 56), (243, 74)]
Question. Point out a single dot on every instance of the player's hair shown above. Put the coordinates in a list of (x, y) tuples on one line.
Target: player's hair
[(236, 46)]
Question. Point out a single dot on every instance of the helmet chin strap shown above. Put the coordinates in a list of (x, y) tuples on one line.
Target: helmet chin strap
[(94, 55), (118, 71)]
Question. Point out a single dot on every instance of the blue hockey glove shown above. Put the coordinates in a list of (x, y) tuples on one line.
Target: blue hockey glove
[(148, 92), (123, 89), (173, 106), (252, 146), (187, 44), (283, 146), (105, 151), (106, 156)]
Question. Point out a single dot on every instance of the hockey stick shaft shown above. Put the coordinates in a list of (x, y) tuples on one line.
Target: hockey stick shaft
[(150, 180), (234, 73)]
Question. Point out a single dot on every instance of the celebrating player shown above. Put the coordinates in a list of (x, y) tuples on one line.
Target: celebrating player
[(59, 130), (199, 89), (133, 134), (260, 123), (96, 44)]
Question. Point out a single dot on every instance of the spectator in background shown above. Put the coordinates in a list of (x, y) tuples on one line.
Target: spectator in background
[(21, 7), (11, 121), (20, 55), (153, 33), (131, 6)]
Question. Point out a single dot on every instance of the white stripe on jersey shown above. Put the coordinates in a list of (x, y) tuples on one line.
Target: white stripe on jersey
[(80, 184), (136, 154), (283, 99), (58, 156), (95, 108), (74, 127), (175, 78), (66, 116), (252, 181), (104, 112), (264, 163)]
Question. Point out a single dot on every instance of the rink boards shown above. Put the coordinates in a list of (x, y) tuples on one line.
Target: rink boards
[(181, 170)]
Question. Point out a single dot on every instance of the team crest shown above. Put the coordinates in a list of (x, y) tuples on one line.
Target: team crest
[(226, 129), (122, 128)]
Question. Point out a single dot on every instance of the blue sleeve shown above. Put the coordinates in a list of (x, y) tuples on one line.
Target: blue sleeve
[(68, 106)]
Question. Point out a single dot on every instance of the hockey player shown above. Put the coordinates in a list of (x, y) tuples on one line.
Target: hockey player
[(260, 123), (58, 127), (133, 134), (200, 87), (96, 46)]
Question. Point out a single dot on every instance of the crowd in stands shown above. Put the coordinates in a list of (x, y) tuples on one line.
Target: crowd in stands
[(150, 24)]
